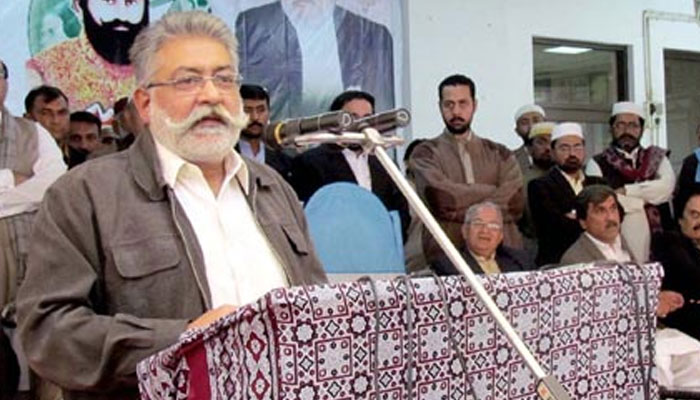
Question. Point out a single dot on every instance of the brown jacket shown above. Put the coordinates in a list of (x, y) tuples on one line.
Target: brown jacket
[(441, 182), (115, 271)]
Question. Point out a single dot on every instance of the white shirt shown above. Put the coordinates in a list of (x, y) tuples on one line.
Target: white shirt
[(359, 164), (613, 252), (321, 78), (240, 264), (247, 150), (27, 196)]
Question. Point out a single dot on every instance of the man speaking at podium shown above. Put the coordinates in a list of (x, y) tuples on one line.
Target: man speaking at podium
[(133, 249)]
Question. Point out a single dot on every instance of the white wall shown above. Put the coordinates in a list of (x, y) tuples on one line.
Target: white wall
[(491, 41)]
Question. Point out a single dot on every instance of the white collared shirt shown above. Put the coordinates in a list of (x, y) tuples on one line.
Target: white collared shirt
[(613, 252), (359, 164), (247, 150), (49, 165), (240, 264)]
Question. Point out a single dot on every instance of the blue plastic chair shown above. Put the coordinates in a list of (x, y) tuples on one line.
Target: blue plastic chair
[(353, 232)]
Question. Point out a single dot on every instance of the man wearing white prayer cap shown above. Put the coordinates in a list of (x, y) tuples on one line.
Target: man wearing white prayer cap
[(552, 197), (642, 177), (525, 117)]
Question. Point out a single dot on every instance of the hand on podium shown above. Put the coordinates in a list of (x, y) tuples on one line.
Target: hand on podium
[(210, 316)]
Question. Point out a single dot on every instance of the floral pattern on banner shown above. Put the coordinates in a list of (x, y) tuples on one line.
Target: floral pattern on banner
[(592, 328)]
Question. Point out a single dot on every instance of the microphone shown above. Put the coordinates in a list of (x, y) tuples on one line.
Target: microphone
[(383, 122), (282, 133)]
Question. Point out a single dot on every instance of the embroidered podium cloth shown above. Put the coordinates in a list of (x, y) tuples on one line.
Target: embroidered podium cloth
[(427, 338)]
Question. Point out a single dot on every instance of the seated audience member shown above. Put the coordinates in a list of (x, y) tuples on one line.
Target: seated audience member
[(525, 118), (459, 168), (600, 215), (552, 197), (642, 177), (539, 148), (256, 104), (679, 252), (48, 106), (483, 249), (84, 137), (329, 163), (169, 235)]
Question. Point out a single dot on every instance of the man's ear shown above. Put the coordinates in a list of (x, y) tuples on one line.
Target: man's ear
[(142, 102), (583, 224)]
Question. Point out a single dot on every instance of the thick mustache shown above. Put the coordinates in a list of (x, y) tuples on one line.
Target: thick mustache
[(255, 123), (611, 224), (457, 119)]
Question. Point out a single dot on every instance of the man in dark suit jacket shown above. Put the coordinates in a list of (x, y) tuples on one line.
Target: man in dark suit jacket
[(256, 103), (271, 39), (328, 163), (483, 249), (680, 255), (551, 198)]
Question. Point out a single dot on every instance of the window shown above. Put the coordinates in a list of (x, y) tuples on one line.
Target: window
[(579, 82)]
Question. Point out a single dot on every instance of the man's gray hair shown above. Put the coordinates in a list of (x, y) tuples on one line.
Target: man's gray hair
[(177, 24), (474, 210)]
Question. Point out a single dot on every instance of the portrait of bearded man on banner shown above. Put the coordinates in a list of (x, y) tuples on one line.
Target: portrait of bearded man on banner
[(93, 69)]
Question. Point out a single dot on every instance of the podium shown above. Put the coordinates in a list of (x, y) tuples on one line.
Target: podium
[(592, 327)]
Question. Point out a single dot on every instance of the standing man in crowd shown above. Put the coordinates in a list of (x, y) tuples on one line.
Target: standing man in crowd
[(539, 148), (552, 197), (642, 177), (525, 117), (483, 250), (329, 163), (48, 106), (458, 169), (169, 235), (84, 137), (30, 161), (256, 104)]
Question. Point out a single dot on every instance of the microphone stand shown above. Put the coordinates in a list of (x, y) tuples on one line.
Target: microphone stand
[(548, 388)]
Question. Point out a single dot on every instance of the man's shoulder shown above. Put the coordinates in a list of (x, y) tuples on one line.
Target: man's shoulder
[(260, 14), (502, 150)]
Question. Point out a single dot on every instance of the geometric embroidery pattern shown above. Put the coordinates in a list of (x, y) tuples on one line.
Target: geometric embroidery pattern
[(352, 340)]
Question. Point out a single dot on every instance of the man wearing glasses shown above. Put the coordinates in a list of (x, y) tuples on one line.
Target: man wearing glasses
[(552, 197), (170, 235), (483, 249), (642, 177)]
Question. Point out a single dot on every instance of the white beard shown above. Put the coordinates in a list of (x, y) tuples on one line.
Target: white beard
[(197, 144)]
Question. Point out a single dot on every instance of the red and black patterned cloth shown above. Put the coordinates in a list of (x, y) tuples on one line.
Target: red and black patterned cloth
[(592, 328)]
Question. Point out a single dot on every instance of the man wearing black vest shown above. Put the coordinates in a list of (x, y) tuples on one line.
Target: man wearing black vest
[(642, 177)]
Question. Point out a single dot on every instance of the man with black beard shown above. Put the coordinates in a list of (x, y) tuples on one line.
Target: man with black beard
[(94, 68), (552, 197), (458, 169), (642, 177), (256, 103)]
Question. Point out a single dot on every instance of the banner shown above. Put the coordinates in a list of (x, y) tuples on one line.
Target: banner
[(303, 52)]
